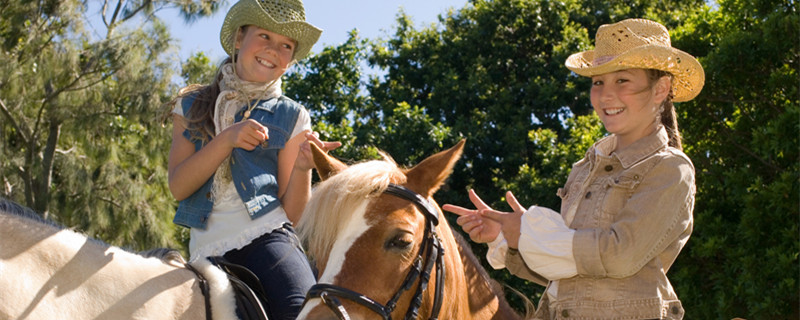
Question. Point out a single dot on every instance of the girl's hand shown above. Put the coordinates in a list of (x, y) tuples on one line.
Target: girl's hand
[(305, 160), (479, 229), (509, 221), (245, 134)]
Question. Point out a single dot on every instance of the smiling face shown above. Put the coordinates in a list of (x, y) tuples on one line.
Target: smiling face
[(263, 55), (627, 103)]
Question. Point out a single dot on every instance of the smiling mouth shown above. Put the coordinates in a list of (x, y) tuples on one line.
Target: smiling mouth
[(265, 63), (613, 111)]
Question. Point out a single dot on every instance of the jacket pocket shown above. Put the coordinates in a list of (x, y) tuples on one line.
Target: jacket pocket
[(617, 192), (277, 137)]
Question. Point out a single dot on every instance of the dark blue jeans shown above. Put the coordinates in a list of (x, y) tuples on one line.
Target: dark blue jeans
[(283, 269)]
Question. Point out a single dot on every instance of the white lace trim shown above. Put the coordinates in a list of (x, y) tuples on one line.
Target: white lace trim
[(230, 227)]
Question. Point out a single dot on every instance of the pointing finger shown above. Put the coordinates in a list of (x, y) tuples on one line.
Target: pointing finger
[(457, 210), (330, 145), (476, 200), (512, 201)]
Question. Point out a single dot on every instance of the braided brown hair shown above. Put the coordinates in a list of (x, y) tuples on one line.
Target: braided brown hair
[(669, 118)]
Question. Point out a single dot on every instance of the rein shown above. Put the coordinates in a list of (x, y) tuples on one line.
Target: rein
[(203, 289), (431, 253)]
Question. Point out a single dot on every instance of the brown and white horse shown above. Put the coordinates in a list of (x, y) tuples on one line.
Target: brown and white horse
[(48, 272), (370, 225)]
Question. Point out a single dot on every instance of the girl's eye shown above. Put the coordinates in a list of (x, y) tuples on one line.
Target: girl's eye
[(597, 83), (622, 80), (287, 46)]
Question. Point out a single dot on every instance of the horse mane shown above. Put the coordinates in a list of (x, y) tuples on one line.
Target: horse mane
[(335, 200), (167, 255), (497, 287), (11, 208), (466, 251)]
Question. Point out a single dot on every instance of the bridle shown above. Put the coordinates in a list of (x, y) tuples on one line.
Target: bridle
[(430, 253)]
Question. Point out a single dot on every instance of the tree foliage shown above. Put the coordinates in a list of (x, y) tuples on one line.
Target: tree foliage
[(742, 134), (80, 140)]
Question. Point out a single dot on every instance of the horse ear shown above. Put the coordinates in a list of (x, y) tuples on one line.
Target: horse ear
[(327, 166), (427, 176)]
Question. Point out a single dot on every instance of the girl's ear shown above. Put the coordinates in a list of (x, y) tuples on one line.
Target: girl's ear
[(239, 36), (663, 87)]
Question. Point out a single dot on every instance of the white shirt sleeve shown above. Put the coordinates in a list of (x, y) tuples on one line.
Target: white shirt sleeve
[(545, 244), (303, 122), (178, 109), (498, 249)]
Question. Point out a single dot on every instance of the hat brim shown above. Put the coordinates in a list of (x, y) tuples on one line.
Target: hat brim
[(688, 73), (251, 13)]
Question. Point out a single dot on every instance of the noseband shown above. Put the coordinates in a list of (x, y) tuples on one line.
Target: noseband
[(430, 253)]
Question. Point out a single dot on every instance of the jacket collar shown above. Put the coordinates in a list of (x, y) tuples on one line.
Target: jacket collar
[(635, 152)]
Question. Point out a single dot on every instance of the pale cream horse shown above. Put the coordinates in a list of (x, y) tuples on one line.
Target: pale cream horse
[(48, 272), (365, 240)]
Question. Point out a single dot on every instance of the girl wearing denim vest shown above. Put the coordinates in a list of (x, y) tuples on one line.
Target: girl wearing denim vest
[(240, 163), (626, 206)]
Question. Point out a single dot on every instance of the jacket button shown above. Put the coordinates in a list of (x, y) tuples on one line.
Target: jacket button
[(208, 195), (565, 313), (588, 195), (609, 167)]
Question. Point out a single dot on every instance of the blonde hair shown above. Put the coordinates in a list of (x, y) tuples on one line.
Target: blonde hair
[(337, 198)]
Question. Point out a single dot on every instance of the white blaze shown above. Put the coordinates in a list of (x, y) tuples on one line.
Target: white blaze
[(354, 228)]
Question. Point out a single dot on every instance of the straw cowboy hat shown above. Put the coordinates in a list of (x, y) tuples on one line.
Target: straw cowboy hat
[(285, 17), (644, 44)]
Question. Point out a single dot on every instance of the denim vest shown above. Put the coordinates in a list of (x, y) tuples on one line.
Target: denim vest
[(254, 172)]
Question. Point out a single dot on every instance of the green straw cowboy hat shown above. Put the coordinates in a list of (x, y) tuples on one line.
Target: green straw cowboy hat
[(643, 44), (285, 17)]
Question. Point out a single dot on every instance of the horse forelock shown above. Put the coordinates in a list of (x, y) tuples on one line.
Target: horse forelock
[(335, 201)]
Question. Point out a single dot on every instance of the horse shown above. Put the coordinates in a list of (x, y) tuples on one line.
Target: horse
[(383, 250), (49, 272)]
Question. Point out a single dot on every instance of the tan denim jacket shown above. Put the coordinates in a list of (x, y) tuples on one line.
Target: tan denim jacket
[(632, 215)]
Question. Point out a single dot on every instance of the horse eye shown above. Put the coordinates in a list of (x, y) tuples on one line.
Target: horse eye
[(399, 242)]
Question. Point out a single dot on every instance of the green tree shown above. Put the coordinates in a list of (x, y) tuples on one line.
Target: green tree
[(80, 143), (742, 135)]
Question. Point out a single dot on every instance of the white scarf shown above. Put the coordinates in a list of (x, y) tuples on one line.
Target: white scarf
[(235, 94)]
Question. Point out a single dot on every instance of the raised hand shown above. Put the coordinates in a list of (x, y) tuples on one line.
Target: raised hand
[(509, 221), (305, 160), (479, 229)]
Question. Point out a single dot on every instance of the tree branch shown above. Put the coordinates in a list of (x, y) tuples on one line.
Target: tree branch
[(25, 135)]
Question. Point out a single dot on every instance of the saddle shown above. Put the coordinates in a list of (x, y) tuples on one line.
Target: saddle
[(249, 294)]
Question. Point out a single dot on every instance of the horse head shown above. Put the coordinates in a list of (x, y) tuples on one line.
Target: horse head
[(382, 247)]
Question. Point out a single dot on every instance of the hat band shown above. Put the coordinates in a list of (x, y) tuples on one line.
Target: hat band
[(601, 60)]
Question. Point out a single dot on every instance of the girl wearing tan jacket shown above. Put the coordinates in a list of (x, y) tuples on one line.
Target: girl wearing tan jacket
[(626, 207)]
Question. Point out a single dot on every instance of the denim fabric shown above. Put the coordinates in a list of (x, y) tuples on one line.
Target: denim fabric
[(254, 172), (281, 266)]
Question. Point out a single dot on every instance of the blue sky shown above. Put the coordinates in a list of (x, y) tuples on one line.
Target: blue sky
[(372, 18)]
